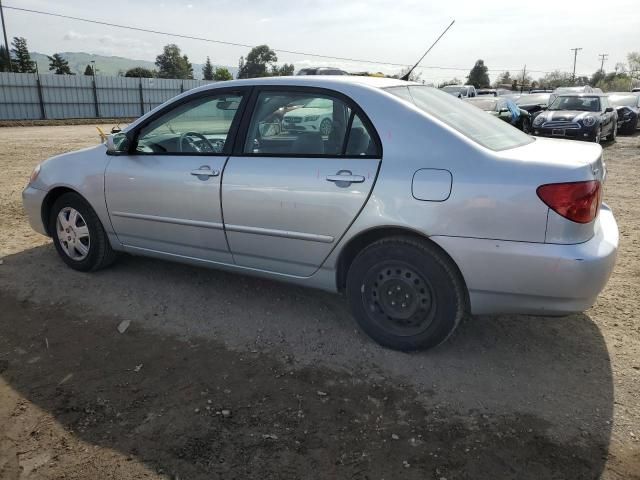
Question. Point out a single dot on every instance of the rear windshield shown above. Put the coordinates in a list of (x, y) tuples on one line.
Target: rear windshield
[(533, 99), (485, 104), (487, 130)]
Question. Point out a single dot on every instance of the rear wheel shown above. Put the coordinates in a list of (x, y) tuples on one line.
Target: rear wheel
[(406, 294), (78, 234)]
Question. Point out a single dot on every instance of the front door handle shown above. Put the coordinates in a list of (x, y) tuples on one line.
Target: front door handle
[(205, 171), (345, 178)]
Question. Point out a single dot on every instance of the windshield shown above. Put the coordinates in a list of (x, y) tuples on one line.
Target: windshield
[(582, 104), (623, 100), (484, 104), (534, 99), (454, 89), (470, 121)]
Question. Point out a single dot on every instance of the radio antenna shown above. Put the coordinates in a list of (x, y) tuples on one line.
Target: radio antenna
[(406, 75)]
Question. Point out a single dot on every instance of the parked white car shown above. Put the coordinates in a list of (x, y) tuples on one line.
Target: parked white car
[(460, 91), (315, 116)]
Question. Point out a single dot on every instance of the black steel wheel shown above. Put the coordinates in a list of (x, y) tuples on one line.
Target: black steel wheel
[(406, 294)]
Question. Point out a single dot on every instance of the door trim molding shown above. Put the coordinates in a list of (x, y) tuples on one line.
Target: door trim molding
[(270, 232), (175, 221)]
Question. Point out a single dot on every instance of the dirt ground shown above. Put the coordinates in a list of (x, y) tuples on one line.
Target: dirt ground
[(226, 376)]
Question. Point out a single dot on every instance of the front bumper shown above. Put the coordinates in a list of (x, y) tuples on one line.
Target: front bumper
[(572, 133), (535, 278), (32, 199)]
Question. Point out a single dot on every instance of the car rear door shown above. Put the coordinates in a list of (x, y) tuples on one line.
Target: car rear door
[(163, 196), (290, 193)]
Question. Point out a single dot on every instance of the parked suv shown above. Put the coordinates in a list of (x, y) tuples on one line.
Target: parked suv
[(582, 116), (460, 91)]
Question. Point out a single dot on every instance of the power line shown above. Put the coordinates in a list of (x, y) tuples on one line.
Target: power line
[(575, 57), (244, 45)]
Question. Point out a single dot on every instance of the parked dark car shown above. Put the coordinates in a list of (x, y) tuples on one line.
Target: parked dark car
[(534, 102), (628, 107), (322, 71), (505, 109), (581, 116)]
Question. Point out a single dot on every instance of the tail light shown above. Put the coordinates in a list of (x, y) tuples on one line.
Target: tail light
[(577, 201)]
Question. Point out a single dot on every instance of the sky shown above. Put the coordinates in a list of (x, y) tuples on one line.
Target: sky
[(506, 36)]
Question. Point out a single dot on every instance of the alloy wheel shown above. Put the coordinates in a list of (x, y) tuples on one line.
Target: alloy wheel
[(73, 233)]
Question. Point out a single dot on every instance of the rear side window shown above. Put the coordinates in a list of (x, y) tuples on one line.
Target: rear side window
[(307, 124), (473, 123)]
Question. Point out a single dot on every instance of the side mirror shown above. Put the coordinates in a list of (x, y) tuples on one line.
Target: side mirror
[(608, 110), (117, 143)]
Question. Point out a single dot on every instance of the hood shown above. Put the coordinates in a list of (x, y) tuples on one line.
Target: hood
[(566, 115)]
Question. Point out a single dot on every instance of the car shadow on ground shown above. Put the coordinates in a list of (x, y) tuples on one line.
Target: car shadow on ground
[(226, 376)]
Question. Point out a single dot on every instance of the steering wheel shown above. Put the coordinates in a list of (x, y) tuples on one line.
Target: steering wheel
[(187, 136)]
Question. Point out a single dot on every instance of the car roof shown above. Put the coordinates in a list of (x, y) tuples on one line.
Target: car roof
[(581, 94), (312, 81)]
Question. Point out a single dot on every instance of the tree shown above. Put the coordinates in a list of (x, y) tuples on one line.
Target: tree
[(21, 59), (221, 74), (478, 76), (503, 79), (88, 70), (555, 79), (5, 61), (415, 76), (59, 64), (633, 58), (453, 81), (207, 70), (259, 62), (283, 71), (172, 64), (139, 72)]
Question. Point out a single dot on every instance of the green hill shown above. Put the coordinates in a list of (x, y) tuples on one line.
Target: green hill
[(108, 66)]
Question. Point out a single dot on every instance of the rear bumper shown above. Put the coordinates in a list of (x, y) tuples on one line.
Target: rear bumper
[(32, 199), (535, 278)]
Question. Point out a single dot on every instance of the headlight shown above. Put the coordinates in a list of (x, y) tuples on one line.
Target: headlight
[(311, 118), (589, 121), (539, 120), (34, 174)]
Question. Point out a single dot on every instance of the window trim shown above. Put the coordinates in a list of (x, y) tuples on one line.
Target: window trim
[(244, 92), (243, 130)]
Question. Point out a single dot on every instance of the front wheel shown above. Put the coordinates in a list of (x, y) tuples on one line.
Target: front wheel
[(406, 294), (78, 234), (526, 126), (325, 127)]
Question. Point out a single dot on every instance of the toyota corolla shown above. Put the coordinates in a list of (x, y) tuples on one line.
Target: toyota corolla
[(421, 208)]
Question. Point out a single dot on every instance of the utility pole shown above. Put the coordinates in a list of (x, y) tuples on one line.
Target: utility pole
[(6, 42), (524, 77), (603, 57), (575, 57)]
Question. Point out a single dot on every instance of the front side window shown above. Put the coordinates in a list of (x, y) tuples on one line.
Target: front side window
[(470, 121), (199, 126), (300, 123)]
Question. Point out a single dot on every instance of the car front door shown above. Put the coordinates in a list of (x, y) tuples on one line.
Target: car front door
[(293, 186), (163, 194)]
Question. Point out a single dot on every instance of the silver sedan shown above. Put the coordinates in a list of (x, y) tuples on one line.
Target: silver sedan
[(421, 208)]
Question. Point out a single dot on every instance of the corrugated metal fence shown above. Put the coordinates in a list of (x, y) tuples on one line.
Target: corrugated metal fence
[(28, 96)]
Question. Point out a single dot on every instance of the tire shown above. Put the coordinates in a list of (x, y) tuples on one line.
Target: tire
[(325, 127), (391, 270), (80, 240), (526, 126)]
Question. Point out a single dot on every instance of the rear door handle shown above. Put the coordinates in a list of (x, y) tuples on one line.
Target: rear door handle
[(345, 177), (205, 171)]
